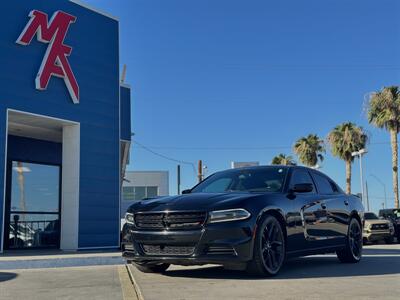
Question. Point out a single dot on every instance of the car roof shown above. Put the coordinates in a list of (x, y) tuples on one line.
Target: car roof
[(270, 166)]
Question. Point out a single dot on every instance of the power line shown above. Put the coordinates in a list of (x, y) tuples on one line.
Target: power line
[(237, 148), (164, 156)]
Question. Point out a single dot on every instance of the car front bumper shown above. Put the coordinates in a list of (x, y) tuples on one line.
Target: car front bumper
[(228, 243), (377, 235)]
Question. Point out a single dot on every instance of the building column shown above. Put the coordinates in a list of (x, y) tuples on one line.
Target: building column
[(70, 187)]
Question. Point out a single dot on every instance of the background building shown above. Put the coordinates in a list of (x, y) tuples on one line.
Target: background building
[(138, 185), (64, 126)]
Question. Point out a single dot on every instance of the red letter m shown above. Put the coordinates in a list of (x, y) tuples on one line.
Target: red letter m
[(55, 62)]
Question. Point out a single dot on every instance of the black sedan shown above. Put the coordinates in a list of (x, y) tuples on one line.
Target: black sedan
[(250, 218)]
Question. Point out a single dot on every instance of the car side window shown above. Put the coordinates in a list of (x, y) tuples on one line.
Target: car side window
[(300, 176), (324, 185)]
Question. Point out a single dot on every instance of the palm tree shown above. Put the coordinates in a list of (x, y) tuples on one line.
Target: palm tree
[(309, 150), (282, 159), (384, 112), (345, 139)]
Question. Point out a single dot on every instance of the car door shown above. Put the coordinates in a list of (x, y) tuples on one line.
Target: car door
[(336, 204), (310, 213)]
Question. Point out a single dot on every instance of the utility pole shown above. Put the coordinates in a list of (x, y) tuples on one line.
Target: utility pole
[(200, 171), (178, 179)]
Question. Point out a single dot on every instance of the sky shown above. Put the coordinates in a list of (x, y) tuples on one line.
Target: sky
[(230, 80)]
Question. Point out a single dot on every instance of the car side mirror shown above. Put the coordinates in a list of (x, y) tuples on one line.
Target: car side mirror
[(302, 188), (186, 192)]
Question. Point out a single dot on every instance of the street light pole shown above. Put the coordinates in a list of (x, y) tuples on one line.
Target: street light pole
[(362, 179), (360, 153)]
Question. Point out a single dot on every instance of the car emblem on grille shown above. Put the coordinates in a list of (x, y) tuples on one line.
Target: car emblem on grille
[(164, 221)]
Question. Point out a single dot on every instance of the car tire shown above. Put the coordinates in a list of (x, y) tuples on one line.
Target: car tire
[(352, 252), (269, 248), (151, 268)]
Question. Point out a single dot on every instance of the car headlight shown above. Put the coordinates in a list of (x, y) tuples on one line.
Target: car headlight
[(228, 215), (129, 218)]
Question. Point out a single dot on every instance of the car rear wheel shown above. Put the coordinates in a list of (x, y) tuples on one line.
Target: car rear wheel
[(151, 268), (353, 249), (269, 248)]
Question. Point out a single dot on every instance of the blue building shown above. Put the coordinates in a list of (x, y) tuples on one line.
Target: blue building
[(64, 126)]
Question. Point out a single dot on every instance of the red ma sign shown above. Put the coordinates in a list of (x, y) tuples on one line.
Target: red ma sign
[(55, 62)]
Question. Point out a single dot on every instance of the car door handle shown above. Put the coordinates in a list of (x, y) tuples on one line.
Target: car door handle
[(323, 205), (346, 202)]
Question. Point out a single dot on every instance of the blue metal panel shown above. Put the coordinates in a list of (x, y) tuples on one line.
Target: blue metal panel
[(3, 135), (125, 113), (36, 151), (95, 62)]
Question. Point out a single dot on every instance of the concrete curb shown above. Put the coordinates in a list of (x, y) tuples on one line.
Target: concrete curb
[(135, 284)]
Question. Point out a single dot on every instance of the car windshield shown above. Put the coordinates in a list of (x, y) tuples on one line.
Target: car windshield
[(370, 216), (270, 179)]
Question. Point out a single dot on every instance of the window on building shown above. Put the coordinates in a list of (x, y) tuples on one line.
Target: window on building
[(152, 191), (132, 193), (128, 193), (140, 192)]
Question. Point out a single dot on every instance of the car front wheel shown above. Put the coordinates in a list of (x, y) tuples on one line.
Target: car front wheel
[(269, 248), (352, 251)]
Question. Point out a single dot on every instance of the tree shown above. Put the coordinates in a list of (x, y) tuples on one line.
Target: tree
[(345, 139), (384, 112), (309, 149), (282, 159)]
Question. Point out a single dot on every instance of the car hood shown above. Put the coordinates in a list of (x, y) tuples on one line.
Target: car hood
[(193, 202), (370, 222)]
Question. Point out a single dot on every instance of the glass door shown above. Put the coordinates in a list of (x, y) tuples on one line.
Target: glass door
[(34, 206)]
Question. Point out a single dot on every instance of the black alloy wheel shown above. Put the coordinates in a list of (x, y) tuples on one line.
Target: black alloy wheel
[(269, 248), (353, 249)]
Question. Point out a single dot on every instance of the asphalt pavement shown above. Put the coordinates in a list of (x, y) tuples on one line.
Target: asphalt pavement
[(377, 276)]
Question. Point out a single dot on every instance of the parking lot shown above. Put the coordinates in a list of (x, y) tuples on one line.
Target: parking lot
[(314, 277), (377, 276)]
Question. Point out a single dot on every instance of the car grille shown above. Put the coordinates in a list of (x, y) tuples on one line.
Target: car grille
[(379, 226), (173, 221), (167, 250)]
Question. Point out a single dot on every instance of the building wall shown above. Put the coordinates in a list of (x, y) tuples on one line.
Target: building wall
[(95, 62), (145, 178), (3, 138), (32, 150)]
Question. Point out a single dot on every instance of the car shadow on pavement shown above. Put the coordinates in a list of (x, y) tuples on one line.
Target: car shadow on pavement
[(5, 276), (305, 267)]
